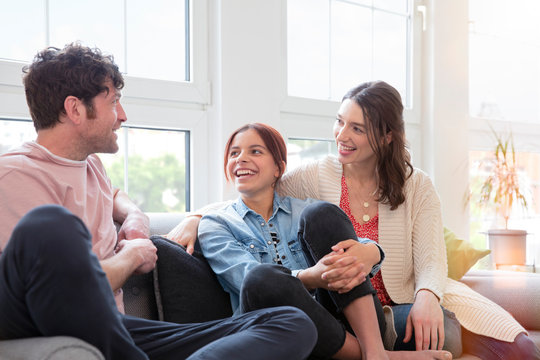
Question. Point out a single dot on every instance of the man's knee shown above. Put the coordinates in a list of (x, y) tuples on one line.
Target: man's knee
[(54, 226)]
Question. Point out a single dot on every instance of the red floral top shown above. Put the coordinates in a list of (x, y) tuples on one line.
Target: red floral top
[(368, 230)]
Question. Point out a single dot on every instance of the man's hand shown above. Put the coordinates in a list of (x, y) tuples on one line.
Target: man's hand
[(427, 319), (135, 226), (185, 233), (142, 252)]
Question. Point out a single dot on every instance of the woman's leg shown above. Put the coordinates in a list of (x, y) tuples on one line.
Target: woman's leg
[(269, 285), (323, 225), (523, 348), (186, 282), (452, 330)]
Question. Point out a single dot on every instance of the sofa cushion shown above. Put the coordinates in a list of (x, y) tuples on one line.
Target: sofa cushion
[(139, 296), (461, 255)]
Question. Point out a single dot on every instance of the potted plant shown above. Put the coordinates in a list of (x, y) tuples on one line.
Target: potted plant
[(502, 189)]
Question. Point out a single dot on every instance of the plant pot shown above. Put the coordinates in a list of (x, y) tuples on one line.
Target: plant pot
[(508, 247)]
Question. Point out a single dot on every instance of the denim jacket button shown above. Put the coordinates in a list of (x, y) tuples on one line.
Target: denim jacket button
[(252, 246)]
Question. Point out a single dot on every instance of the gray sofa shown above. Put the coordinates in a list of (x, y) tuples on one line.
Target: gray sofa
[(518, 293)]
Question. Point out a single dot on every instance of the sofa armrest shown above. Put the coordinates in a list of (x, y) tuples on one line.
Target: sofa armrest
[(49, 348), (516, 292)]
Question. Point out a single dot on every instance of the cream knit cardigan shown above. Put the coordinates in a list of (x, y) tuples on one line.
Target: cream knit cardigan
[(413, 241)]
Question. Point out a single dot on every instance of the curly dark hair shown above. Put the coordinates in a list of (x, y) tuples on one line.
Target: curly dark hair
[(383, 110), (55, 74)]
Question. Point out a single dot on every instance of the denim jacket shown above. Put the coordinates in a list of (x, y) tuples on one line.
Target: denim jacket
[(235, 239)]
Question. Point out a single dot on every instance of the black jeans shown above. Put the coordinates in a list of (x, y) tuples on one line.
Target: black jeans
[(52, 284), (322, 225)]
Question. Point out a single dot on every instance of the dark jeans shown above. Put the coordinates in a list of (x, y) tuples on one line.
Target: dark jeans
[(322, 225), (52, 284)]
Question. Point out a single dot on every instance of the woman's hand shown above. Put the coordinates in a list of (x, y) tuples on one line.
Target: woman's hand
[(185, 233), (367, 253), (335, 271), (426, 318)]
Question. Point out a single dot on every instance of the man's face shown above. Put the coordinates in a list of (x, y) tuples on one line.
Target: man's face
[(100, 130)]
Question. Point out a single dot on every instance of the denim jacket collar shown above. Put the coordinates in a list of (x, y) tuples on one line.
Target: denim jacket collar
[(242, 209)]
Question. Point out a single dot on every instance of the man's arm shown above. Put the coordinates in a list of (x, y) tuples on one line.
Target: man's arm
[(135, 224), (135, 253), (137, 256)]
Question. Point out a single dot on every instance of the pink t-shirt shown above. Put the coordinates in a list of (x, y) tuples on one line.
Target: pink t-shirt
[(31, 176)]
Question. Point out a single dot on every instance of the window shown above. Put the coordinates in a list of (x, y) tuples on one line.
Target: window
[(160, 46), (156, 175), (334, 45), (302, 150), (504, 93), (164, 160), (504, 45)]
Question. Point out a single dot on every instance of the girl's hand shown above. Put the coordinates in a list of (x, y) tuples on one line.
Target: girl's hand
[(335, 271), (426, 318), (185, 233), (368, 254)]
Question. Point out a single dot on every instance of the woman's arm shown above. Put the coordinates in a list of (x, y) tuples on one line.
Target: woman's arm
[(185, 233), (300, 182), (430, 268)]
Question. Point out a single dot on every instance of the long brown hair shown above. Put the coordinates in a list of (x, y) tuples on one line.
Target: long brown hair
[(272, 140), (383, 111)]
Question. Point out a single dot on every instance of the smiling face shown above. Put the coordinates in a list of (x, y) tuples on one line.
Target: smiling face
[(350, 133), (99, 133), (251, 165)]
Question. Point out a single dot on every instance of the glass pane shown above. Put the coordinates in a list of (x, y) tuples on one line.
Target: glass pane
[(308, 48), (14, 133), (363, 44), (302, 150), (399, 6), (390, 50), (157, 169), (22, 25), (97, 23), (352, 46), (504, 55), (156, 32)]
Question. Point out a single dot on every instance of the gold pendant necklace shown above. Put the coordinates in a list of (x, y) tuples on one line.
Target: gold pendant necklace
[(366, 217)]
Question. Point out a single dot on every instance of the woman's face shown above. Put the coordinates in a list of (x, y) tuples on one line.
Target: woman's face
[(251, 165), (350, 134)]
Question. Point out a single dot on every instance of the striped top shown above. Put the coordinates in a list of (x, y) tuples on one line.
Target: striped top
[(413, 241)]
